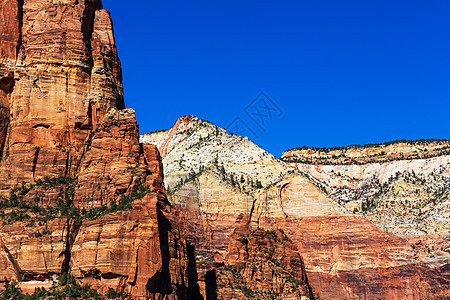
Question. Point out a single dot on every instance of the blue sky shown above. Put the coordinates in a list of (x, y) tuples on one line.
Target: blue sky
[(341, 72)]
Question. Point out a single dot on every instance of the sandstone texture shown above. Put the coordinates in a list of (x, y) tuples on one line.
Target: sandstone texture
[(262, 264), (79, 194), (345, 255), (369, 153), (405, 197), (60, 75), (402, 188)]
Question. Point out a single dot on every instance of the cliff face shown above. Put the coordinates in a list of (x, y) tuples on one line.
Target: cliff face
[(405, 196), (79, 193), (215, 179), (369, 153), (261, 264), (345, 256), (60, 75)]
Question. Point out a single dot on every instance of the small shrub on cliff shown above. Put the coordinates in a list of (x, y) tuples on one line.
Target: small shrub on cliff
[(69, 290), (64, 207), (258, 184), (65, 279), (11, 291)]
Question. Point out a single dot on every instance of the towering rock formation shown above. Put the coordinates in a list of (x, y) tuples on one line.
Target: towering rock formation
[(216, 179), (219, 179), (60, 76), (79, 193)]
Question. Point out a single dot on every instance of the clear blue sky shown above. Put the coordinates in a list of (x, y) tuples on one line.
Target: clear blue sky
[(342, 72)]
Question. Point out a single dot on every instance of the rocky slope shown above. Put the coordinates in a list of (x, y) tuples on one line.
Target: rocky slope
[(192, 145), (79, 194), (216, 184), (406, 196), (345, 256), (399, 186), (369, 153)]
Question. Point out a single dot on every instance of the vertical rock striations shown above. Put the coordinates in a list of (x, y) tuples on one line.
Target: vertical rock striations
[(79, 193), (60, 75)]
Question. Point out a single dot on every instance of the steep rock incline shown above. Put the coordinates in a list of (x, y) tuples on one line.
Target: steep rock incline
[(79, 194), (193, 144), (402, 187), (347, 257), (134, 244), (262, 264), (336, 246), (222, 177)]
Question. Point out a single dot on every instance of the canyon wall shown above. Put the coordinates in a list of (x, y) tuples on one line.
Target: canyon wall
[(79, 194), (405, 197), (345, 256)]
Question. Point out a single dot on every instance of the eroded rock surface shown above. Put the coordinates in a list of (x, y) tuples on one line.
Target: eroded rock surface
[(345, 255), (79, 193), (60, 76)]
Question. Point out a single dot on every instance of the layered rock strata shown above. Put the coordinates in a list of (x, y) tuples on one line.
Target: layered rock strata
[(406, 197), (345, 255), (79, 193), (369, 153), (60, 75)]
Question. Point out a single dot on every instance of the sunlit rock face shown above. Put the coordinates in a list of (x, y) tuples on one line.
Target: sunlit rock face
[(60, 75), (70, 161), (213, 178), (405, 197)]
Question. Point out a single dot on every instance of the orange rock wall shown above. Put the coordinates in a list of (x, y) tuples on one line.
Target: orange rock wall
[(59, 76), (62, 114)]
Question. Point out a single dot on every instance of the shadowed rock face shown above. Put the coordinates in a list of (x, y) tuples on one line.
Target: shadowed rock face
[(70, 150)]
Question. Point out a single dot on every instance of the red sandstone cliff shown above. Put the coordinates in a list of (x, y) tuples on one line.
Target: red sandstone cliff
[(59, 76), (80, 194)]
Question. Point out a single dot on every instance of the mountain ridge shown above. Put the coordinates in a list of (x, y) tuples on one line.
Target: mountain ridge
[(337, 242)]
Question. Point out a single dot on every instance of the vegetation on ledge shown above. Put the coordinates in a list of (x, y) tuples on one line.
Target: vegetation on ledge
[(67, 288), (372, 145), (15, 208)]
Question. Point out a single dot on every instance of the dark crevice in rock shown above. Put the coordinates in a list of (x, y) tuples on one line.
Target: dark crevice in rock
[(160, 283), (98, 4), (33, 276), (211, 285), (251, 211), (4, 125), (280, 197), (20, 18), (68, 164), (35, 159), (6, 88), (81, 126), (7, 83), (86, 148), (87, 28), (41, 126), (194, 288), (13, 261), (73, 226), (92, 273), (110, 275)]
